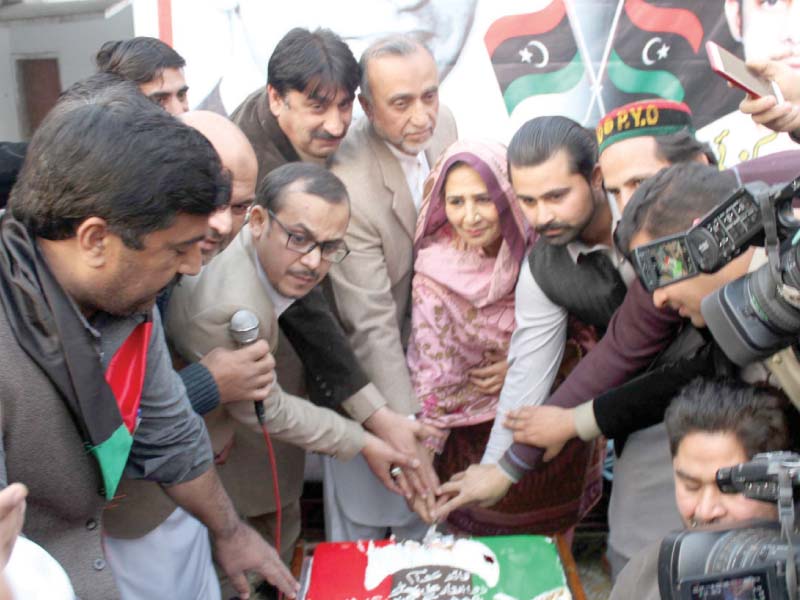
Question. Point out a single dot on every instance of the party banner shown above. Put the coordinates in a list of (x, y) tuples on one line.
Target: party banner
[(503, 62)]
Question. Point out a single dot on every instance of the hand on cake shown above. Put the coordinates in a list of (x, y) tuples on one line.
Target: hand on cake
[(423, 507), (766, 110), (548, 427), (479, 484)]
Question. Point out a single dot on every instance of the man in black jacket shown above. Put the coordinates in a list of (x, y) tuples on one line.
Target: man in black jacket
[(302, 114)]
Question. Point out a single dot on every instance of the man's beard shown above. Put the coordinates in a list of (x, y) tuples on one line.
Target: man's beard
[(569, 231), (568, 234), (127, 309)]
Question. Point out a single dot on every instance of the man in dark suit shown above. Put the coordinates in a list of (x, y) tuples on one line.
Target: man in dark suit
[(303, 114)]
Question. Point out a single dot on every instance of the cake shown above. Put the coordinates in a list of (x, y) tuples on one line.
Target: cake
[(517, 567)]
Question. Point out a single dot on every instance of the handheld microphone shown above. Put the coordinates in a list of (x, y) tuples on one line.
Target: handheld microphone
[(244, 327), (244, 331)]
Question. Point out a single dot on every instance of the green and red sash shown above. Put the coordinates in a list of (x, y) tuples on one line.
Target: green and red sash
[(125, 376), (49, 328)]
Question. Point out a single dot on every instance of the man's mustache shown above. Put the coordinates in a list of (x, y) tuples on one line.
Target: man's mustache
[(306, 273), (324, 135), (552, 227)]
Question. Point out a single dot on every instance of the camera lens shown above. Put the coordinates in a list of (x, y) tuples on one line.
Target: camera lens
[(771, 308), (744, 548)]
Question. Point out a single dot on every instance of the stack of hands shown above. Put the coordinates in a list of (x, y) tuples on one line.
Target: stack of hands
[(547, 427)]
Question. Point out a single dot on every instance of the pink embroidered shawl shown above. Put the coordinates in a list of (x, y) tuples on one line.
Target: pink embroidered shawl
[(462, 299)]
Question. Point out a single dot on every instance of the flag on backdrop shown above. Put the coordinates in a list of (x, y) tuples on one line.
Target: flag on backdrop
[(658, 50), (534, 53)]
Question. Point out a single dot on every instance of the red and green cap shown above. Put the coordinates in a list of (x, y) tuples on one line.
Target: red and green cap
[(654, 117)]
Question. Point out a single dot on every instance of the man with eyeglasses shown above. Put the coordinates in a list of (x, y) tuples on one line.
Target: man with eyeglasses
[(295, 232), (303, 114)]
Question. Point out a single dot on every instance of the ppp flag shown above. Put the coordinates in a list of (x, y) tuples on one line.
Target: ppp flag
[(658, 51), (534, 53)]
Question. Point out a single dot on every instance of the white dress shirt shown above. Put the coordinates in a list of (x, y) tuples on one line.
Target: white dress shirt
[(415, 169), (537, 346)]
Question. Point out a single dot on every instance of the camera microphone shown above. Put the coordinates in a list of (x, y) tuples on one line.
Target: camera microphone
[(244, 331)]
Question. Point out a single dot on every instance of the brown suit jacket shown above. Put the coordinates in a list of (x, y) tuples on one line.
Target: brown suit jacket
[(272, 147), (372, 287)]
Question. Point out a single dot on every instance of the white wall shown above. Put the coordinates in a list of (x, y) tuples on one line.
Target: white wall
[(72, 42)]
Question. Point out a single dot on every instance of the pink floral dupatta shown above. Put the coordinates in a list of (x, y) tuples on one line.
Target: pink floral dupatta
[(462, 299)]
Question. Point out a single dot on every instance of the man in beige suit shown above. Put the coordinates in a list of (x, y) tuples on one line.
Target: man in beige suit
[(383, 162), (295, 233)]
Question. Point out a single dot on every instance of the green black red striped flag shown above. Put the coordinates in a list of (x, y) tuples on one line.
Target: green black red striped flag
[(534, 53), (658, 51)]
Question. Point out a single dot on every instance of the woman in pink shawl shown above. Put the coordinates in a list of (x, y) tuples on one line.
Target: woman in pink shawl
[(470, 240)]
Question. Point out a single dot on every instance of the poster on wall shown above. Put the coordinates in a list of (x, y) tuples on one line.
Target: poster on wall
[(503, 62)]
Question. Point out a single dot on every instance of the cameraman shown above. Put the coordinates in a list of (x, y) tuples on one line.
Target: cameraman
[(666, 204), (712, 424)]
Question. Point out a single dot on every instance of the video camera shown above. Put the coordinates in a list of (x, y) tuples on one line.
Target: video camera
[(758, 314), (757, 561)]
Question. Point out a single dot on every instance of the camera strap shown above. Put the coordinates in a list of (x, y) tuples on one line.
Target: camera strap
[(771, 242)]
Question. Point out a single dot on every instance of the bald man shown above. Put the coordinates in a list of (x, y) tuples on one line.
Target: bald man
[(152, 547), (239, 158)]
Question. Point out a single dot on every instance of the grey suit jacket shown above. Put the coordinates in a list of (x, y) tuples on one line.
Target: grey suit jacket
[(372, 287)]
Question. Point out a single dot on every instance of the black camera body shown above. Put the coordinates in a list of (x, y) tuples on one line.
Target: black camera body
[(718, 237), (756, 561), (758, 314), (747, 563)]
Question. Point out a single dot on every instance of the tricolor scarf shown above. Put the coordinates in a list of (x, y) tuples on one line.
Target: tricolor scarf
[(49, 328), (462, 299)]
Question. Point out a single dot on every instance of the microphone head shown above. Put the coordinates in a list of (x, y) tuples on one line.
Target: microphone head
[(244, 327)]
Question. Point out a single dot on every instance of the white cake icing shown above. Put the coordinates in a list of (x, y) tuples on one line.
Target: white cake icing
[(465, 554)]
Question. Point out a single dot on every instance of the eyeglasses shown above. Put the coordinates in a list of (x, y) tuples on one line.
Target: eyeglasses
[(334, 251)]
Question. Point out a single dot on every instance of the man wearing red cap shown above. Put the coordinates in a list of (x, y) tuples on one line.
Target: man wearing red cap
[(637, 140)]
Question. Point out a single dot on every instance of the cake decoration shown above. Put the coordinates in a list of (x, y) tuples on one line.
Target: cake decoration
[(438, 568)]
